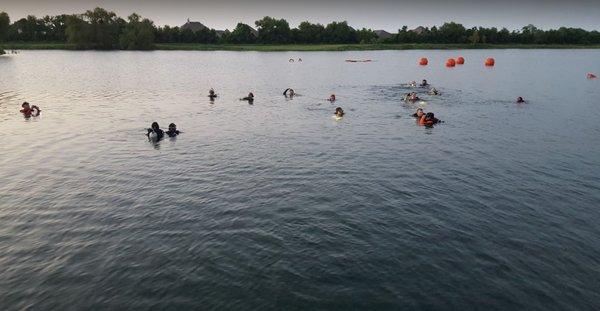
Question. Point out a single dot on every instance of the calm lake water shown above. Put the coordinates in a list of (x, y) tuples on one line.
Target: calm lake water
[(278, 206)]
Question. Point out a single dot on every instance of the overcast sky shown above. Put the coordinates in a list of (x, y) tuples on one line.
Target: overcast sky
[(376, 14)]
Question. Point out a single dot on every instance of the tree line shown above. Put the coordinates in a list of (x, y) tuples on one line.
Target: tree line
[(102, 29)]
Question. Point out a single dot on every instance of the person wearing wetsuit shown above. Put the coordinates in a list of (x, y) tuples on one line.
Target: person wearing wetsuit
[(424, 83), (520, 100), (156, 129), (28, 111), (249, 98), (172, 132), (418, 114), (211, 94), (429, 119), (289, 92)]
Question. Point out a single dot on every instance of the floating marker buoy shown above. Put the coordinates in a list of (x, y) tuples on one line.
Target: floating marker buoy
[(424, 61), (591, 76), (460, 60), (450, 62), (490, 62)]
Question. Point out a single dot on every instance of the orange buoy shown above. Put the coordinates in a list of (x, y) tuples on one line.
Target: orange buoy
[(424, 61), (490, 62), (450, 62), (591, 76), (460, 60)]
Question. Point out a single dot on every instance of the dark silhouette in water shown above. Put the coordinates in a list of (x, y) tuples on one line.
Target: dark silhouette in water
[(155, 133)]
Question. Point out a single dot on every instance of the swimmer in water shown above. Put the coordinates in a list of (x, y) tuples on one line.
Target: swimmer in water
[(211, 94), (412, 97), (413, 84), (424, 83), (429, 119), (291, 60), (433, 91), (289, 92), (172, 132), (418, 114), (299, 59), (249, 98), (520, 100), (339, 112), (28, 111), (331, 98), (155, 133)]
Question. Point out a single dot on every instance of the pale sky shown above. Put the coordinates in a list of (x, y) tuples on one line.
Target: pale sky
[(376, 14)]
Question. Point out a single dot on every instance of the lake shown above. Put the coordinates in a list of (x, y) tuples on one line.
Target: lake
[(276, 205)]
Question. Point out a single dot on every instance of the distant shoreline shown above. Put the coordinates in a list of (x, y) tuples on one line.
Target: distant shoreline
[(305, 47)]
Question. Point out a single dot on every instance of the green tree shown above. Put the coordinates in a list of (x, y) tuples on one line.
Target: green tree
[(271, 30), (106, 28), (340, 32), (79, 32), (241, 34), (4, 25), (309, 33), (366, 36), (453, 33), (138, 34)]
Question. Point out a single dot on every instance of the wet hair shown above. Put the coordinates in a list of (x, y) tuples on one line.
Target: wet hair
[(429, 116), (172, 125), (155, 126), (24, 103)]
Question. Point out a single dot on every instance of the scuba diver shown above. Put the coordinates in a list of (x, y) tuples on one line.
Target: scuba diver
[(211, 94), (429, 119), (172, 132), (520, 100), (28, 111), (418, 114), (249, 98), (289, 92), (339, 112), (424, 83), (411, 97), (155, 133)]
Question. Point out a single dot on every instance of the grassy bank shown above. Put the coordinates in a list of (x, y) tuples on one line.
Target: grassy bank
[(307, 47)]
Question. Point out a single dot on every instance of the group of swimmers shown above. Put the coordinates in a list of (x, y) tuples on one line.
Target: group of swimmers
[(155, 133)]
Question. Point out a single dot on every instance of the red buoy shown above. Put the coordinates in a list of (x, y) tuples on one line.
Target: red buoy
[(460, 60), (591, 76), (490, 62), (450, 62), (424, 61)]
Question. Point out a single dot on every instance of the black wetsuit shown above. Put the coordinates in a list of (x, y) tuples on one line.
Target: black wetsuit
[(159, 133), (171, 133)]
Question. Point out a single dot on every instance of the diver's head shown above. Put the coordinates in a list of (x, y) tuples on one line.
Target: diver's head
[(211, 91), (250, 95), (520, 99), (172, 127), (155, 126), (424, 81), (419, 112), (429, 116), (25, 105)]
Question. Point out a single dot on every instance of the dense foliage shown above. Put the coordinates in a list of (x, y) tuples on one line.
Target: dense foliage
[(101, 29)]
